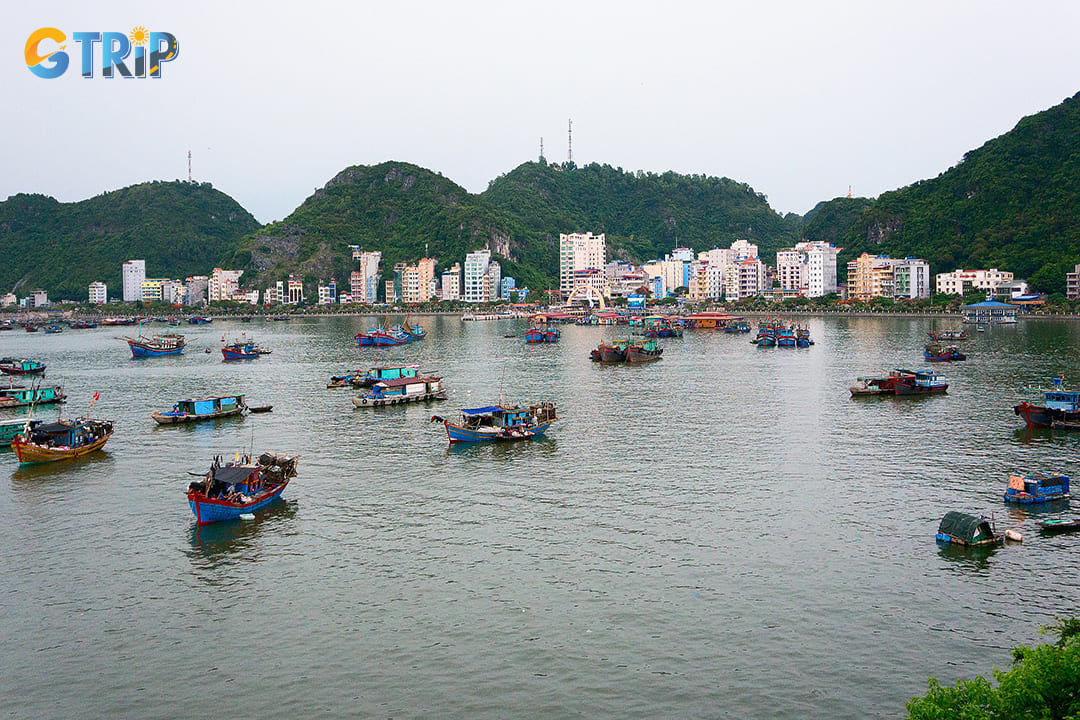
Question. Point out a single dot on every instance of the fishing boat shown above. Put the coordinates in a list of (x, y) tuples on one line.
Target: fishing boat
[(918, 382), (382, 338), (870, 386), (1058, 405), (243, 487), (61, 440), (205, 408), (1037, 488), (937, 352), (243, 350), (10, 428), (387, 372), (20, 395), (402, 390), (14, 366), (969, 530), (53, 329), (200, 320), (496, 423), (156, 346), (1055, 525), (610, 352), (534, 336), (647, 351), (415, 332), (551, 334), (949, 336)]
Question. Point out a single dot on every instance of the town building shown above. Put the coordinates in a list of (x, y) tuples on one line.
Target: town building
[(133, 272), (150, 289), (364, 282), (481, 276), (99, 293), (295, 292), (451, 283), (198, 287), (809, 267), (744, 278), (173, 292), (415, 283), (36, 299), (327, 293), (222, 284), (390, 293), (509, 284), (962, 282), (8, 299), (579, 255), (911, 279), (1072, 284)]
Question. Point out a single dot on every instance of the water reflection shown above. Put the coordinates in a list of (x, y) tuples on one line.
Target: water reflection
[(503, 450), (60, 469), (972, 558), (223, 543)]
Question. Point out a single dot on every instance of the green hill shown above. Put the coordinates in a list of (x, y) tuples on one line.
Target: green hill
[(179, 228), (399, 209), (1012, 204)]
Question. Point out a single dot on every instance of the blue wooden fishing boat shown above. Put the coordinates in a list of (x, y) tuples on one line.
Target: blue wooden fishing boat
[(156, 346), (200, 320), (415, 332), (1056, 525), (205, 408), (551, 334), (53, 329), (230, 490), (20, 395), (936, 352), (1037, 488), (496, 423), (534, 336), (243, 350)]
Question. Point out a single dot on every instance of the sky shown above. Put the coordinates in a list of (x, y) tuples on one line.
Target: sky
[(800, 100)]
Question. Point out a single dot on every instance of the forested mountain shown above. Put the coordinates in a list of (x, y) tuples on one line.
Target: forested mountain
[(1012, 204), (179, 228), (401, 209)]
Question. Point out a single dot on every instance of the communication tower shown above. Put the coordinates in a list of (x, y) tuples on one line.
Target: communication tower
[(570, 140), (189, 166)]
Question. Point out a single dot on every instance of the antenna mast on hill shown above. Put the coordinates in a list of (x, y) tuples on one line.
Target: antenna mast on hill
[(849, 191), (570, 140), (541, 148), (189, 166)]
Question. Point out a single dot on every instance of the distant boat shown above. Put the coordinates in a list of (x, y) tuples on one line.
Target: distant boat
[(402, 390), (200, 320), (1059, 406), (413, 331), (61, 440), (963, 529), (53, 329), (243, 350), (382, 338), (156, 346), (937, 352), (13, 366), (534, 336), (205, 408), (1037, 488), (647, 351), (230, 490), (496, 423), (20, 395), (901, 382), (1059, 525), (10, 428)]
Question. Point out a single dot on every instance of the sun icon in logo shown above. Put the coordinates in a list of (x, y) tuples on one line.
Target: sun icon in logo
[(138, 35)]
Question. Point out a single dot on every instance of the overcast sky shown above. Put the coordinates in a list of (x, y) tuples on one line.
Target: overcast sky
[(799, 99)]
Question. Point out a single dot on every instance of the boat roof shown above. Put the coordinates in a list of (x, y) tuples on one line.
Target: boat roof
[(211, 397), (399, 382), (484, 410), (964, 526), (234, 473), (20, 421)]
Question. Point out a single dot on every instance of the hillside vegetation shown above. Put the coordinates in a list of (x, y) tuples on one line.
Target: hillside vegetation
[(1012, 204), (179, 228)]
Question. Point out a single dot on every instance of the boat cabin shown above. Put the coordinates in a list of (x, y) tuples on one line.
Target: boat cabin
[(963, 529), (16, 395), (1062, 400), (393, 372), (66, 434), (208, 405), (1037, 488), (404, 387)]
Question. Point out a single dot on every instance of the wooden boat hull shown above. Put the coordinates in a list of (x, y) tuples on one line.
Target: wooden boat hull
[(143, 351), (1036, 416), (458, 434), (611, 354), (20, 371), (639, 355), (30, 453), (998, 539), (170, 418), (365, 401), (210, 511), (1055, 526), (235, 355)]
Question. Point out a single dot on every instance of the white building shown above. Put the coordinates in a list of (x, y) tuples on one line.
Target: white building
[(223, 284), (670, 273), (911, 279), (327, 293), (744, 278), (174, 292), (954, 283), (579, 252), (481, 277), (197, 288), (364, 282), (742, 249), (99, 293), (8, 299), (809, 267), (133, 273), (451, 283)]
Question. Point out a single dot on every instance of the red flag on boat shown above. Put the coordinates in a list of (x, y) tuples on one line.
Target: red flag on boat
[(93, 400)]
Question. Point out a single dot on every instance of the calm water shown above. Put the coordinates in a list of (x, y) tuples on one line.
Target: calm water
[(723, 533)]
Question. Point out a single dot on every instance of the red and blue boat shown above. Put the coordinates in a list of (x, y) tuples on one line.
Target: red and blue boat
[(243, 350), (1060, 407), (936, 352), (1035, 488), (496, 423), (231, 490), (15, 366), (534, 336), (156, 346)]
